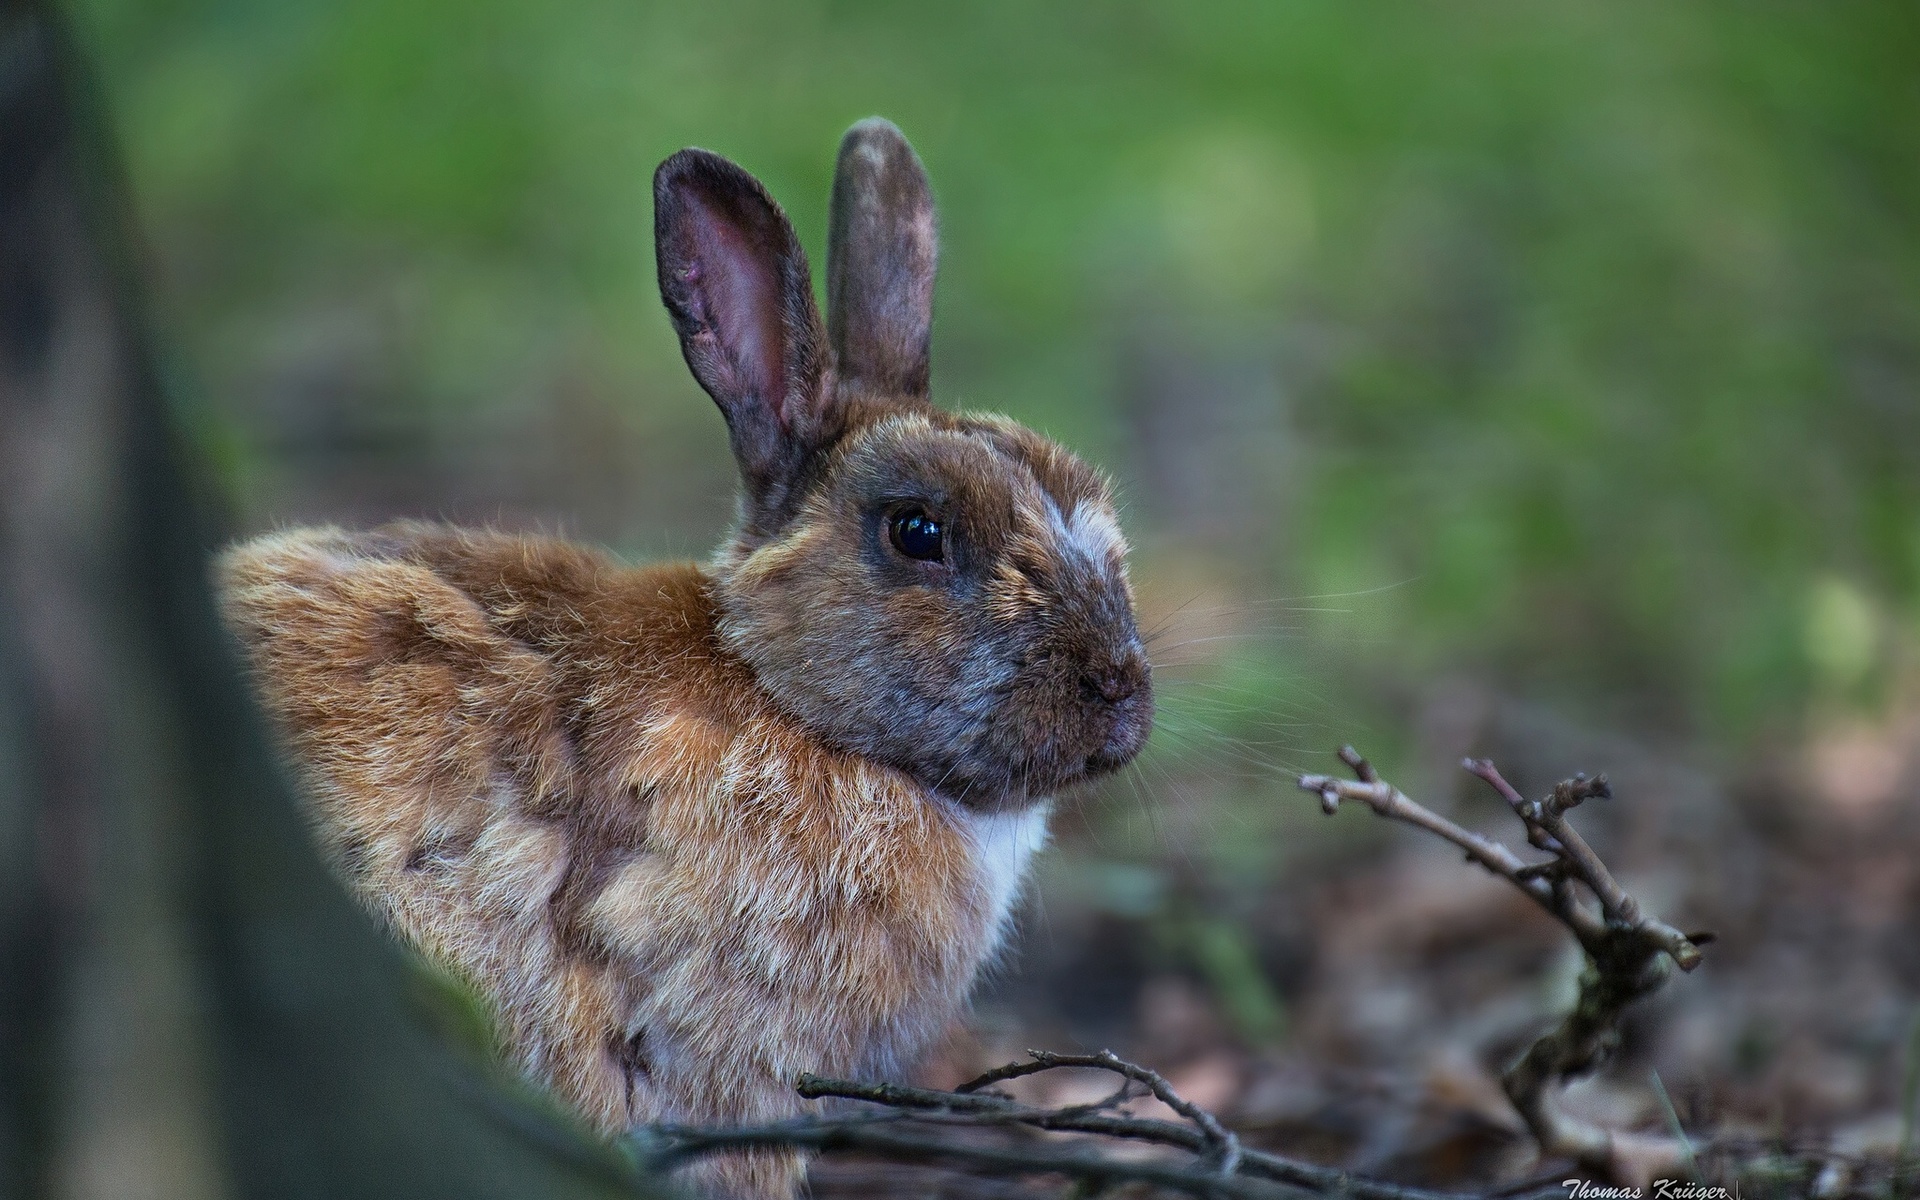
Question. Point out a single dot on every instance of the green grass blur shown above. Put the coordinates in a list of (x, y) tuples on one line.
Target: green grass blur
[(1582, 338)]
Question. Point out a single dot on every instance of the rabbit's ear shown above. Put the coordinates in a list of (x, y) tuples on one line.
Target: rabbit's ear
[(881, 253), (735, 282)]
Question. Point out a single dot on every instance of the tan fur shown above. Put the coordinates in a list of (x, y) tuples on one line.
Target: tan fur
[(544, 771)]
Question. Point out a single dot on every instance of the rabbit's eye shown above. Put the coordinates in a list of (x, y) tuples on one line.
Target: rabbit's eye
[(917, 535)]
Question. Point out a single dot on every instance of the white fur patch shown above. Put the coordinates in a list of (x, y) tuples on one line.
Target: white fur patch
[(1095, 533), (1091, 532), (1004, 844)]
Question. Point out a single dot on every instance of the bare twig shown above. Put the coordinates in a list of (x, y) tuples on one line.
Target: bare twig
[(969, 1098), (1627, 952), (1225, 1147), (667, 1146), (926, 1125)]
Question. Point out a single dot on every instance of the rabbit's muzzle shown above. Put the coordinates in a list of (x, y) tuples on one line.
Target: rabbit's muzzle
[(1082, 703), (1121, 693)]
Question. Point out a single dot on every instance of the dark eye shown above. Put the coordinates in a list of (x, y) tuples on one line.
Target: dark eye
[(917, 535)]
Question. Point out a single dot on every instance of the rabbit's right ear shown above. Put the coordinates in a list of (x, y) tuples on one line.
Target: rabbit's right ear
[(734, 280), (881, 255)]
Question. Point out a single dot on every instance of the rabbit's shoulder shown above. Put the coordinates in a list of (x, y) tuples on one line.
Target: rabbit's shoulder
[(426, 674), (490, 726)]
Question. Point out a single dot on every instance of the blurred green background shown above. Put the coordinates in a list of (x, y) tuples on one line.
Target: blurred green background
[(1542, 378), (1583, 338)]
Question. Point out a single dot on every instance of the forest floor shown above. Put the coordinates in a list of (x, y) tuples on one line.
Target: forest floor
[(1404, 981)]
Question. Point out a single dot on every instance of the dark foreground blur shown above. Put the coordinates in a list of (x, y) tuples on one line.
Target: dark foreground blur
[(1540, 382), (189, 1007)]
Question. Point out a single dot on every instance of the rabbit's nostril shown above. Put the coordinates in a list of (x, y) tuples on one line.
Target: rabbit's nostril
[(1112, 685)]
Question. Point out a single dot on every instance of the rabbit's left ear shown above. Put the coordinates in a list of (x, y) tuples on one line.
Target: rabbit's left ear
[(735, 282), (881, 254)]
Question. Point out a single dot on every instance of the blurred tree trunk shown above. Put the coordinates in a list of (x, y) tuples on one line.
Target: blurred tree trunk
[(189, 1006)]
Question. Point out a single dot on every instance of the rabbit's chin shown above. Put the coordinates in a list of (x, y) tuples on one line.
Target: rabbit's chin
[(1038, 778)]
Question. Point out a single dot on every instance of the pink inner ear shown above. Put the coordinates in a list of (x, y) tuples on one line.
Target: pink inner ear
[(735, 279)]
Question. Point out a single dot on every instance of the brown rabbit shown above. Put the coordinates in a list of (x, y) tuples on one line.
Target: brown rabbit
[(693, 830)]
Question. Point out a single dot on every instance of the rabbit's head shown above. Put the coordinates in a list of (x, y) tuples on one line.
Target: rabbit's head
[(943, 593)]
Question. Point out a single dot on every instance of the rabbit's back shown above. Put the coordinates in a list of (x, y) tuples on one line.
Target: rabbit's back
[(545, 770)]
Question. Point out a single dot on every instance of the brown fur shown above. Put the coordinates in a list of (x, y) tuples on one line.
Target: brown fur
[(653, 798), (692, 831)]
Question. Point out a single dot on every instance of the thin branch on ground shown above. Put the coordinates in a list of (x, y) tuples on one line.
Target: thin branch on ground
[(1225, 1148), (893, 1136), (1627, 953), (925, 1125)]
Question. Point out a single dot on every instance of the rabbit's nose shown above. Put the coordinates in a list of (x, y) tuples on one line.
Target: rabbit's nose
[(1114, 682)]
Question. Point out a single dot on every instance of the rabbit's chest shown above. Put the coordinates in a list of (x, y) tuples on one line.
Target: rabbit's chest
[(1004, 845), (892, 892), (832, 901)]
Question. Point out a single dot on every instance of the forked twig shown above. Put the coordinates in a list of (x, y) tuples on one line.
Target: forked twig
[(925, 1125), (1627, 952), (1225, 1146)]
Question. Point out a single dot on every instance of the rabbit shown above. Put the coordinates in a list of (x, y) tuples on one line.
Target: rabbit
[(691, 830)]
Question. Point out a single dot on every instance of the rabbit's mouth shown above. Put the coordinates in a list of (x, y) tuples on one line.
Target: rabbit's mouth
[(1119, 751), (1132, 726), (1104, 737)]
